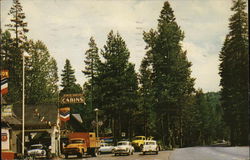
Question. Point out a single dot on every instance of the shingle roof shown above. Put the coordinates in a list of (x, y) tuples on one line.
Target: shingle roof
[(48, 111), (12, 120), (3, 100)]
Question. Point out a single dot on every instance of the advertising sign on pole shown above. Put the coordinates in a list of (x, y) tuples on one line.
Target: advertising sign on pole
[(5, 139)]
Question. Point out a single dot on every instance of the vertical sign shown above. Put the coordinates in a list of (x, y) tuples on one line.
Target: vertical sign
[(4, 81), (5, 140)]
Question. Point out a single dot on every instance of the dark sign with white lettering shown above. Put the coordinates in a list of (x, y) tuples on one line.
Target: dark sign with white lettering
[(72, 98)]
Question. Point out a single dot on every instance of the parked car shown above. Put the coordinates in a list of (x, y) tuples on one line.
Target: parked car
[(106, 148), (150, 146), (37, 151), (124, 147)]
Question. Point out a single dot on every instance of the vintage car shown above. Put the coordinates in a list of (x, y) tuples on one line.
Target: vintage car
[(124, 147), (150, 146), (37, 151), (106, 148), (138, 142)]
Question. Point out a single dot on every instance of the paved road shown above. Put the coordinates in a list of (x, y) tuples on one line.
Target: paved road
[(211, 153), (162, 155)]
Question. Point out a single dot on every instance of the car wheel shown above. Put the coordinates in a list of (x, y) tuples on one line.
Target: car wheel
[(156, 152), (79, 155), (141, 146), (94, 153), (66, 156)]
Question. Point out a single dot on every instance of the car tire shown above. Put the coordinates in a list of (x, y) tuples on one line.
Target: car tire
[(66, 156), (79, 155), (141, 146), (94, 153), (156, 152)]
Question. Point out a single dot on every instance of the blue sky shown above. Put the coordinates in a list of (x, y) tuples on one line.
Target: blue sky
[(66, 26)]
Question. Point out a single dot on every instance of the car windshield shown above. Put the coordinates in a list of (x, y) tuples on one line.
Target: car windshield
[(149, 143), (104, 145), (36, 147), (138, 138), (76, 141), (122, 143)]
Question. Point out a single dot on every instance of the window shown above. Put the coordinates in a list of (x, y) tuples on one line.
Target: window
[(149, 143), (76, 141)]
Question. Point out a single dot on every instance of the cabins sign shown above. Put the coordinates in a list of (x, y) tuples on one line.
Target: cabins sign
[(72, 98)]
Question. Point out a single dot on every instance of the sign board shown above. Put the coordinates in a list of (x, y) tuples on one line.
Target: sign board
[(4, 74), (7, 110), (123, 134), (72, 98), (5, 140)]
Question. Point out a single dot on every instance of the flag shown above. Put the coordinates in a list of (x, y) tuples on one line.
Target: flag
[(64, 114), (4, 81)]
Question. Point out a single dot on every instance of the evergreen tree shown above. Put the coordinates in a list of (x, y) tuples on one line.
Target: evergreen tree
[(41, 75), (172, 83), (18, 25), (6, 49), (147, 111), (92, 62), (234, 71), (114, 74), (68, 79), (91, 87), (19, 28)]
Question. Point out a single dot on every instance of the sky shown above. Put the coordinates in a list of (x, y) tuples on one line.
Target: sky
[(65, 26)]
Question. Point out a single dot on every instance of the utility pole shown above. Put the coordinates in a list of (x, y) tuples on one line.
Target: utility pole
[(97, 131)]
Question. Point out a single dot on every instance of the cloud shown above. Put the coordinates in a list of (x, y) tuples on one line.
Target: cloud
[(205, 67), (66, 26)]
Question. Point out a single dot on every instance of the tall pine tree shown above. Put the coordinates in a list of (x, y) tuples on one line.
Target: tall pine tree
[(41, 75), (92, 62), (118, 80), (172, 83), (18, 27), (69, 81), (91, 87), (234, 70)]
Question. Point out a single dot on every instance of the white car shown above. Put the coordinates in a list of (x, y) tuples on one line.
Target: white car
[(106, 148), (124, 147), (37, 151), (150, 146)]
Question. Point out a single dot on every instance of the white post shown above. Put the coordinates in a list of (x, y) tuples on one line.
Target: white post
[(25, 54), (23, 109)]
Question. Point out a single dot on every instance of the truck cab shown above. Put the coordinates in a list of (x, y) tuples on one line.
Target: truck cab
[(81, 143), (138, 142)]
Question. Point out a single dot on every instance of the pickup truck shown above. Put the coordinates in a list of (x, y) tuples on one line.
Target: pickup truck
[(138, 142), (82, 143)]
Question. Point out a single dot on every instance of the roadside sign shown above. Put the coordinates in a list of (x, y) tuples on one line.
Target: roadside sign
[(72, 98)]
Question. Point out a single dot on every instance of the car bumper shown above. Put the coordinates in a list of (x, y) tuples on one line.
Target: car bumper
[(37, 155), (121, 151), (106, 151), (149, 150)]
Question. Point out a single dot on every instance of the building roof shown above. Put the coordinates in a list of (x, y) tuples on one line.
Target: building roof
[(33, 120), (3, 100), (12, 120)]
